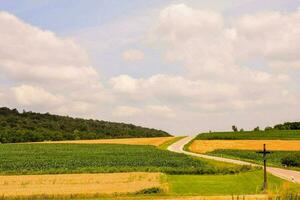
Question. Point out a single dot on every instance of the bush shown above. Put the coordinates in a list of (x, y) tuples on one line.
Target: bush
[(291, 160), (153, 190)]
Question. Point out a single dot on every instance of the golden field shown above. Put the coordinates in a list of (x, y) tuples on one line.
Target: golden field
[(166, 197), (77, 184), (155, 141), (203, 146)]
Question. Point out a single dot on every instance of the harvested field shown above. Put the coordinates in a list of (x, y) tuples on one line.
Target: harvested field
[(77, 184), (155, 141), (203, 146)]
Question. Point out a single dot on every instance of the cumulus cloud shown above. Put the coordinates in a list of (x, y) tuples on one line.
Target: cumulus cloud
[(124, 84), (31, 54), (210, 50), (271, 36), (133, 55), (160, 111), (30, 95), (45, 70), (126, 111)]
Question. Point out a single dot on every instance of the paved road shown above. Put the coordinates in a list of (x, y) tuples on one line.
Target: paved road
[(289, 175)]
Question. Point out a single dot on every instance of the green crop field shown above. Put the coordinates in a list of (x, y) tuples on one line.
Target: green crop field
[(243, 183), (252, 135), (276, 158), (81, 158)]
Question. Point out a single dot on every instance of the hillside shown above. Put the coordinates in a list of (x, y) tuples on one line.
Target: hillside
[(33, 127)]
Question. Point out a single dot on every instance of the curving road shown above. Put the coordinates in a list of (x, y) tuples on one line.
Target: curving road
[(290, 175)]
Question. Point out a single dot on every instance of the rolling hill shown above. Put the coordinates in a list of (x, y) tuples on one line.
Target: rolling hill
[(33, 127)]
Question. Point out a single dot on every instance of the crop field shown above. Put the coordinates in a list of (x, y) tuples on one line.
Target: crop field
[(203, 146), (276, 158), (252, 135), (78, 184), (155, 141), (96, 158)]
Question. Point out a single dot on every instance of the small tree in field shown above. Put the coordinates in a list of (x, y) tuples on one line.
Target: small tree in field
[(256, 129), (234, 128), (268, 128)]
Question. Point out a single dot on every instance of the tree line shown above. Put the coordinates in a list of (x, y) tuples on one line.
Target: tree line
[(284, 126), (25, 126)]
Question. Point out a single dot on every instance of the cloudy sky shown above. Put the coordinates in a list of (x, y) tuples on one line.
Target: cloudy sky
[(182, 66)]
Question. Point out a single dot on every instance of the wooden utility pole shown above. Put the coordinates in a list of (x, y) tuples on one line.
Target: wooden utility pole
[(265, 152)]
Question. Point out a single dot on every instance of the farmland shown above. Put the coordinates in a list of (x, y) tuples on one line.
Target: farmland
[(134, 183), (284, 145), (276, 158), (155, 141), (96, 158), (203, 146), (78, 184), (252, 135)]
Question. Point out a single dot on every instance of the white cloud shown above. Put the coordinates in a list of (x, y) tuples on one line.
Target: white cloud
[(47, 72), (31, 95), (124, 84), (272, 36), (30, 54), (160, 111), (133, 55), (126, 111)]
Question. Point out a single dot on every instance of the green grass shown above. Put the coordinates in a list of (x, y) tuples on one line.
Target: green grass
[(165, 145), (274, 159), (238, 184), (96, 158), (252, 135)]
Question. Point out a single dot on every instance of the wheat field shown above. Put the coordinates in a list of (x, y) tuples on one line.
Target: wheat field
[(77, 184), (203, 146), (155, 141)]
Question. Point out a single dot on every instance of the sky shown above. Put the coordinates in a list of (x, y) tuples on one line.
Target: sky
[(183, 66)]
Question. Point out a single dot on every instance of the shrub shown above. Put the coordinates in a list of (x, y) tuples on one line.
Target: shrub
[(291, 160)]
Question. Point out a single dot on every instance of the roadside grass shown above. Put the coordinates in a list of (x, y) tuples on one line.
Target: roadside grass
[(252, 135), (166, 144), (100, 158), (274, 159), (238, 184)]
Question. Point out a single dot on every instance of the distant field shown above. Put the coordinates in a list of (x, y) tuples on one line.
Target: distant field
[(243, 183), (94, 158), (252, 135), (156, 141), (274, 159), (203, 146), (78, 184)]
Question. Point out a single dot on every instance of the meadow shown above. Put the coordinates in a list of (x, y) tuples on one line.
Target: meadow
[(238, 184), (276, 158), (99, 158), (252, 135)]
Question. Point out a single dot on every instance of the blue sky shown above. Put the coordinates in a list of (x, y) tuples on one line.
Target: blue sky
[(154, 63)]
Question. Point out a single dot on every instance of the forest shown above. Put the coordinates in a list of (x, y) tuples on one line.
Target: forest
[(29, 126)]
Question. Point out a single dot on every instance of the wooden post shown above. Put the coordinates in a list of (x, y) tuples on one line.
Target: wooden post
[(265, 152)]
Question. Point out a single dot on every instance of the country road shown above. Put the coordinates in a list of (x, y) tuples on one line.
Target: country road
[(289, 175)]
